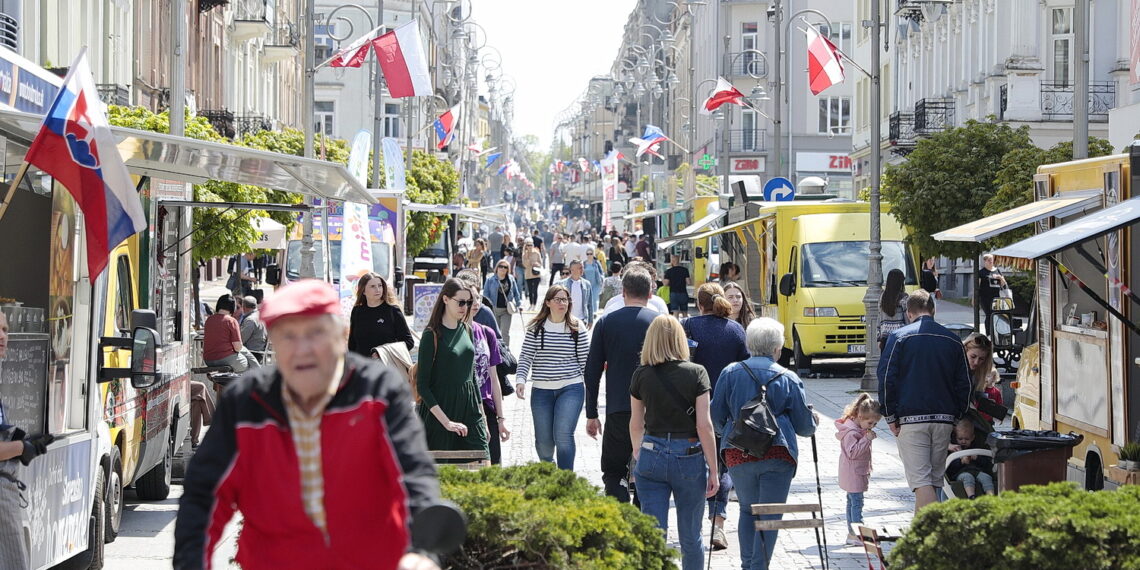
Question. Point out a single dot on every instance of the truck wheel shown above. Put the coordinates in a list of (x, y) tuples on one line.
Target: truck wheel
[(803, 361), (155, 485), (114, 501)]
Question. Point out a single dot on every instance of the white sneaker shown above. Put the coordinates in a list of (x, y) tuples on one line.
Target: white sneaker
[(732, 495), (854, 540)]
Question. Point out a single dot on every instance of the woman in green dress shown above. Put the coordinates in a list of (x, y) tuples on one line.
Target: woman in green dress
[(450, 406)]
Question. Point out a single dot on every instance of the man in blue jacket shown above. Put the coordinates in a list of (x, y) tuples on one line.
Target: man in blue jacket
[(924, 386)]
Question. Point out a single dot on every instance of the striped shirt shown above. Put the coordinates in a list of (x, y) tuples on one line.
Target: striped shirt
[(550, 357), (306, 431)]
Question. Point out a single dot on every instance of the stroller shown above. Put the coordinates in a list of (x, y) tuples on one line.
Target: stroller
[(981, 457)]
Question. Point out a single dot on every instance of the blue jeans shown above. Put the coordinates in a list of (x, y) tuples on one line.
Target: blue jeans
[(764, 481), (555, 414), (854, 511), (667, 469)]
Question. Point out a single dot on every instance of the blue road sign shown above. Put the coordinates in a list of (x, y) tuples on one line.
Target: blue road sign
[(779, 189)]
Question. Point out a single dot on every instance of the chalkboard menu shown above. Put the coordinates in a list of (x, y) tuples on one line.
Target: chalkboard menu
[(23, 381)]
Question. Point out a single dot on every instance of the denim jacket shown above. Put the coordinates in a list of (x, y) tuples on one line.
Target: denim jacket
[(786, 397), (491, 289)]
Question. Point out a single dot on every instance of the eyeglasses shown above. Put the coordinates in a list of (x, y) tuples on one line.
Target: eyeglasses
[(465, 302), (560, 299)]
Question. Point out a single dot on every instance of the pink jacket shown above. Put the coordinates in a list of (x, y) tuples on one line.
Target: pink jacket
[(854, 456)]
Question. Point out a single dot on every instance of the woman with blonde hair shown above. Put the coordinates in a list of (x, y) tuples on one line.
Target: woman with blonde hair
[(741, 307), (672, 435)]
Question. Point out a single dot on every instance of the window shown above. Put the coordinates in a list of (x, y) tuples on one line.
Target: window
[(326, 113), (750, 135), (840, 36), (749, 41), (392, 120), (834, 115), (1062, 45), (124, 300), (322, 39)]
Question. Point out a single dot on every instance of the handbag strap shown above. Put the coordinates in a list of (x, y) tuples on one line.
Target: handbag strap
[(691, 410), (757, 380)]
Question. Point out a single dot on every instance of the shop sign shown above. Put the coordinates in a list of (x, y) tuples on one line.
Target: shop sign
[(822, 162), (746, 164)]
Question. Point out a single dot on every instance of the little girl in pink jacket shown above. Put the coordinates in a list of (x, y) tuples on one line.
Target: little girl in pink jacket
[(855, 434)]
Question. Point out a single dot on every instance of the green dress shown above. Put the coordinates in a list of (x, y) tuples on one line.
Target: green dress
[(446, 377)]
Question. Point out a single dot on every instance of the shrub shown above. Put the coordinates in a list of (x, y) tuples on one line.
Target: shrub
[(1039, 528), (539, 516)]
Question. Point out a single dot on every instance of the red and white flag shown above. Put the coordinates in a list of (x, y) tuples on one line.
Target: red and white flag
[(723, 93), (401, 54), (355, 53), (825, 64)]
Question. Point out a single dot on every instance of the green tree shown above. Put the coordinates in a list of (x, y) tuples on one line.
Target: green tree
[(431, 181), (947, 180), (1015, 181)]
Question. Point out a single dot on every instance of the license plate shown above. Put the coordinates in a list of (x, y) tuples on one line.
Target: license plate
[(857, 349)]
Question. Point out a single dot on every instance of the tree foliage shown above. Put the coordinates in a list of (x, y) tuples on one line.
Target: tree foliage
[(430, 181), (1015, 181), (947, 180)]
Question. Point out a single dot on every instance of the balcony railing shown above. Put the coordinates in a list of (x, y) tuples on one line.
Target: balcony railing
[(1057, 100), (747, 64), (251, 123), (207, 5), (747, 140), (933, 115), (252, 19), (221, 119), (114, 94), (9, 32), (900, 131)]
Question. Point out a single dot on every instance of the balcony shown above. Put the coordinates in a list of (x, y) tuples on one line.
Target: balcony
[(932, 116), (747, 64), (747, 140), (252, 19), (251, 123), (114, 94), (207, 5), (284, 45), (900, 132), (1057, 101), (221, 119), (9, 32)]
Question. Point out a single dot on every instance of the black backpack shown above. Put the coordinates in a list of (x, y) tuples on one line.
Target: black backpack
[(509, 365), (755, 428)]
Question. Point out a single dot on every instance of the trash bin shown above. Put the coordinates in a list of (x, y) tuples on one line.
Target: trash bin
[(1026, 457)]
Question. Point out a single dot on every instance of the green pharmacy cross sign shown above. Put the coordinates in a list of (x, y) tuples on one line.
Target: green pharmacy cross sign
[(706, 162)]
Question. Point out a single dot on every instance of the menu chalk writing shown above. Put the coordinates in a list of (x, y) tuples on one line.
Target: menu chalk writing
[(23, 381)]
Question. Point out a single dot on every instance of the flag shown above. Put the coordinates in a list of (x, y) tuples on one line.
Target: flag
[(825, 65), (654, 134), (583, 164), (401, 55), (491, 158), (445, 126), (646, 146), (723, 93), (353, 55), (75, 146), (503, 168)]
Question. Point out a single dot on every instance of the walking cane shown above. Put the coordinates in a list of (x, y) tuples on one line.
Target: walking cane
[(712, 532), (819, 493)]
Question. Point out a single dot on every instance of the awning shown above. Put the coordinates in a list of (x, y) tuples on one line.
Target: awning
[(732, 227), (453, 210), (190, 160), (690, 230), (271, 234), (1061, 205), (1077, 231), (651, 213)]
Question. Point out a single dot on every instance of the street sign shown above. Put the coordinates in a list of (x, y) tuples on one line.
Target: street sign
[(779, 189)]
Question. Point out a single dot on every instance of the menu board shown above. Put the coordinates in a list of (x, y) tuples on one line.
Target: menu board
[(23, 381)]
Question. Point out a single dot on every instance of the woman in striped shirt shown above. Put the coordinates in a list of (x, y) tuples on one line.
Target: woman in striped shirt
[(553, 356)]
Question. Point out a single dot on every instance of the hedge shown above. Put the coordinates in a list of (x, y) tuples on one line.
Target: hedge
[(1038, 528), (539, 516)]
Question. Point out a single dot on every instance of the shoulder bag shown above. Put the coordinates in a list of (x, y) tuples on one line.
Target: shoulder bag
[(755, 427), (508, 365)]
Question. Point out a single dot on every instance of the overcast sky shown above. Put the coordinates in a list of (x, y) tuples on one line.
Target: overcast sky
[(551, 49)]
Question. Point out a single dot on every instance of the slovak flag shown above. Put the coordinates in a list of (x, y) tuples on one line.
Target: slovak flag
[(75, 146), (825, 64), (445, 126), (401, 55), (353, 54), (723, 93)]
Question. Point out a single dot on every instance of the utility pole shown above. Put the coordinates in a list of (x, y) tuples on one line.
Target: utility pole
[(378, 111), (178, 68), (308, 268), (777, 87), (1081, 91), (875, 257)]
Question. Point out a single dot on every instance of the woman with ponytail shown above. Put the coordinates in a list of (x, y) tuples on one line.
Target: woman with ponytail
[(715, 341)]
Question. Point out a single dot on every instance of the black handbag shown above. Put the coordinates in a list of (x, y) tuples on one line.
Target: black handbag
[(508, 365), (755, 428)]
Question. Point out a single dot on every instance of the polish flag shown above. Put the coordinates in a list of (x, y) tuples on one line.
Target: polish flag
[(825, 64), (354, 54), (724, 93), (401, 54)]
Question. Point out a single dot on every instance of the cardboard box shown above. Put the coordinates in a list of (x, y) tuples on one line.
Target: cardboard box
[(1123, 477)]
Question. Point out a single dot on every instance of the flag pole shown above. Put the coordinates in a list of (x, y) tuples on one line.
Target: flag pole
[(12, 188), (371, 34)]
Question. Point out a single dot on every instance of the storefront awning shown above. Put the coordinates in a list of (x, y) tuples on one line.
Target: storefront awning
[(651, 213), (190, 160), (690, 230), (453, 210), (732, 227), (986, 228), (1089, 227)]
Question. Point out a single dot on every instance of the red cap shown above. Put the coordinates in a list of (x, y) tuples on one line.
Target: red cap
[(307, 297)]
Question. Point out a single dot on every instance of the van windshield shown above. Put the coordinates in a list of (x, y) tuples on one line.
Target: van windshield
[(380, 259), (844, 263)]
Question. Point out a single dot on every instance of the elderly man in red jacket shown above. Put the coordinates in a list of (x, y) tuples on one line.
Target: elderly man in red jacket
[(322, 453)]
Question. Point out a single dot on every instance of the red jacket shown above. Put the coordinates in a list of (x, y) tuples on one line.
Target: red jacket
[(375, 466)]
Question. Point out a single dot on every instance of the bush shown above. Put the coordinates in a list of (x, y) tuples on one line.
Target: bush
[(539, 516), (1039, 528)]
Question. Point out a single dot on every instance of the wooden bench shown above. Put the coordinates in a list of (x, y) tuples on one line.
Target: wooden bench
[(468, 459)]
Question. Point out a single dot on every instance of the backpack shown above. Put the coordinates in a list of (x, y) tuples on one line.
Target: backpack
[(755, 428), (509, 365)]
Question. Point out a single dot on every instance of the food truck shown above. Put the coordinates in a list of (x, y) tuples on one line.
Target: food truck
[(1082, 374), (103, 362)]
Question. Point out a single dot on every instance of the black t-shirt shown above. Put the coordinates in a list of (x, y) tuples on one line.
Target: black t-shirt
[(677, 276), (929, 281), (504, 291), (663, 412), (989, 283), (370, 327)]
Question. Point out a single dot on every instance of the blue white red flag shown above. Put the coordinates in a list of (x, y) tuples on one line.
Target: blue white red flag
[(583, 164), (445, 126), (75, 146), (654, 135), (491, 158), (502, 168)]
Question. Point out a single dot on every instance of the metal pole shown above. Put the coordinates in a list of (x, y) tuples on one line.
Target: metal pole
[(378, 111), (1081, 91), (777, 88), (178, 68), (724, 169), (875, 257), (308, 268)]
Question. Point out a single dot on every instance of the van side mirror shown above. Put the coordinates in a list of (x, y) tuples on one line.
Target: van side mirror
[(700, 253), (787, 284), (144, 318), (144, 358)]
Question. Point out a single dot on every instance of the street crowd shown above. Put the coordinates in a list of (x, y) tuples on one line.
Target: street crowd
[(676, 386)]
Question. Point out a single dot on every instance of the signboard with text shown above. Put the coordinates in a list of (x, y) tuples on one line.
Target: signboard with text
[(747, 164), (822, 162)]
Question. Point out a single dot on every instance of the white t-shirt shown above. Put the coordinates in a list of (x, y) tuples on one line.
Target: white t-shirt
[(656, 303), (576, 300)]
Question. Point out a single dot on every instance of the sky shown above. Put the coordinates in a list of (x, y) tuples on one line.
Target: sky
[(551, 49)]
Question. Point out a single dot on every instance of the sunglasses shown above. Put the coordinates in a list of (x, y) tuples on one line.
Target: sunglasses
[(464, 303)]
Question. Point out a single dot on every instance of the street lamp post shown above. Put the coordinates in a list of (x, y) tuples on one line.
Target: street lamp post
[(875, 257), (787, 73)]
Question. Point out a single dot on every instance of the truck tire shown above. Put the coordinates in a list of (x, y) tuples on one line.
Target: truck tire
[(92, 558), (114, 502), (155, 485), (803, 361)]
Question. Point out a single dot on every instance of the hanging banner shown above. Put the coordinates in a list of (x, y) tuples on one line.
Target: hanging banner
[(393, 164), (358, 156), (609, 166), (355, 240)]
